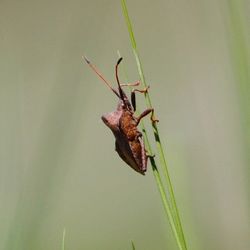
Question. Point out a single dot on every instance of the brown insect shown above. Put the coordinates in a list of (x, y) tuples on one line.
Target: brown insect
[(123, 123)]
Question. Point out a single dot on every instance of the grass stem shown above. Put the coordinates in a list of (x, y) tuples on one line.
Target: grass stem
[(168, 197)]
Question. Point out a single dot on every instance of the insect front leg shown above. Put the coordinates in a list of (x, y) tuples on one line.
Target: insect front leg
[(130, 84), (145, 113), (133, 101)]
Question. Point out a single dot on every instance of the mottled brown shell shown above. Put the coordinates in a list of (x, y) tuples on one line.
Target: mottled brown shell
[(129, 143)]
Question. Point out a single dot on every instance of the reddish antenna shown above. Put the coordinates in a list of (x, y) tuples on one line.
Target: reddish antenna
[(102, 77), (117, 79)]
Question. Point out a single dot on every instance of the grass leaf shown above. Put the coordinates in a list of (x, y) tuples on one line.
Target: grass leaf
[(169, 203)]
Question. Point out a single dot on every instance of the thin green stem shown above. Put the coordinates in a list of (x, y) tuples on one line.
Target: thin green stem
[(63, 239), (133, 245), (240, 52), (157, 176), (161, 189), (172, 212)]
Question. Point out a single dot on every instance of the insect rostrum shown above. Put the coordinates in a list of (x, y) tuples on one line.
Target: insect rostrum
[(123, 123)]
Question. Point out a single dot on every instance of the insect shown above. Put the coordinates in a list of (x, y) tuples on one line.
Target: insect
[(123, 123)]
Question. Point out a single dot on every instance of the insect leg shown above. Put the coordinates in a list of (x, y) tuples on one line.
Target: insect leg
[(146, 112), (150, 156), (144, 156), (133, 101), (130, 84)]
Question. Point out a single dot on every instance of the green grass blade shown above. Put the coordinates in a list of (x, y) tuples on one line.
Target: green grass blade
[(240, 53), (133, 245), (156, 173), (169, 206), (63, 239)]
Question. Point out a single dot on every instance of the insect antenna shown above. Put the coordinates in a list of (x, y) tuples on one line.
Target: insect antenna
[(122, 95), (101, 76)]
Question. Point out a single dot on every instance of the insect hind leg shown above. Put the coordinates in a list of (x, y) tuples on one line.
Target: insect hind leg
[(145, 113)]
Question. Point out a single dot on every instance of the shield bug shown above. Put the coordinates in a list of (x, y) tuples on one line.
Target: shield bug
[(123, 123)]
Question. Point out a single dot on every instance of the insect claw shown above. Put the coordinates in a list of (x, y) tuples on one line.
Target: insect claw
[(151, 156), (146, 89), (154, 120), (152, 117)]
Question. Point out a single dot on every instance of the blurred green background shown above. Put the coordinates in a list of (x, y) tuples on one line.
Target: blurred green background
[(58, 167)]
